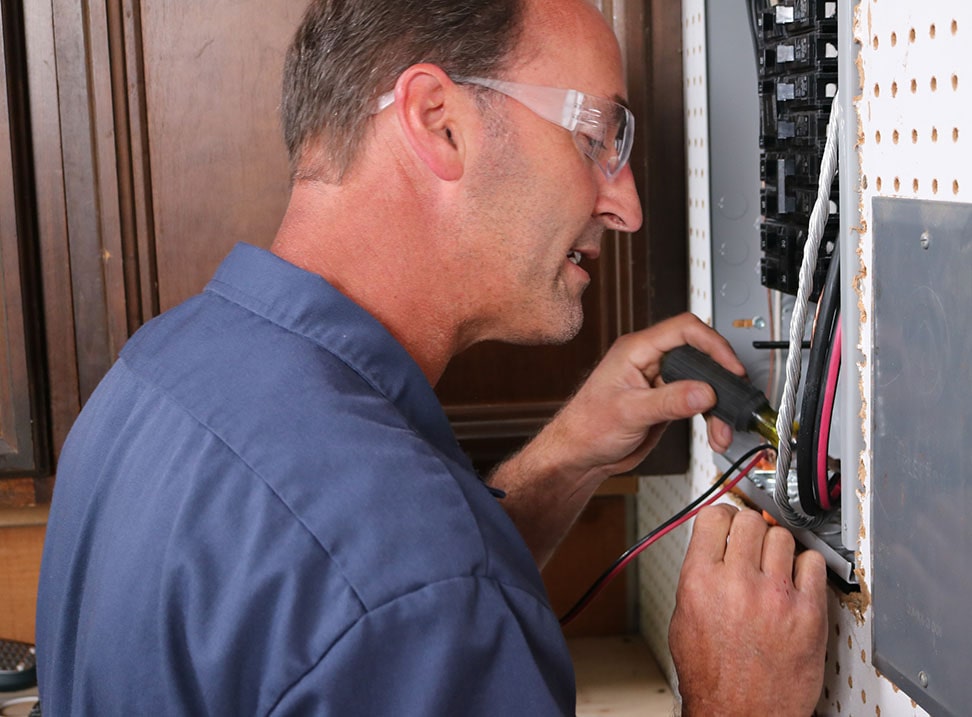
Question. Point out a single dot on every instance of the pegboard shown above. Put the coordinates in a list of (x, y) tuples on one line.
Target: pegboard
[(661, 497), (912, 140)]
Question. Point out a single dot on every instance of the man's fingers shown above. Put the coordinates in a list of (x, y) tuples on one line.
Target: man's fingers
[(810, 573), (708, 543), (649, 345), (745, 547), (778, 547), (720, 434), (674, 401)]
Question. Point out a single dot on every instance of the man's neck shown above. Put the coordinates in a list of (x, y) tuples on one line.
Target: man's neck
[(381, 255)]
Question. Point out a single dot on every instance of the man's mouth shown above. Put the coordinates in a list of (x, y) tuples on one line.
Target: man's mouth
[(574, 257)]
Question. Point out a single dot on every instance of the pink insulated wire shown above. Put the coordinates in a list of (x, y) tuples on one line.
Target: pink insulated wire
[(827, 412)]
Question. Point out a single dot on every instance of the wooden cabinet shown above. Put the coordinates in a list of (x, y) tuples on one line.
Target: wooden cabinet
[(24, 448), (143, 142)]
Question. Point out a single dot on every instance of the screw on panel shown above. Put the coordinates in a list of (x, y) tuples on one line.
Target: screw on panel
[(925, 240), (923, 678)]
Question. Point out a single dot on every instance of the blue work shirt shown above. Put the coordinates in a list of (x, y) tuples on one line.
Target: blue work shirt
[(263, 510)]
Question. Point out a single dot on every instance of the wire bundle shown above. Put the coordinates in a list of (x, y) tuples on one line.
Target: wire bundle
[(823, 365), (818, 223)]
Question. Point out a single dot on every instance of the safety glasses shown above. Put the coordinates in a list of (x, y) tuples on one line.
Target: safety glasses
[(602, 128)]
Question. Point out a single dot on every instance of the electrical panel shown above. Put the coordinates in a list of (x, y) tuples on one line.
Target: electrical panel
[(773, 69)]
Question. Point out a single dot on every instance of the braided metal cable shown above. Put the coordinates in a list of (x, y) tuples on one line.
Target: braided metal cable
[(784, 422)]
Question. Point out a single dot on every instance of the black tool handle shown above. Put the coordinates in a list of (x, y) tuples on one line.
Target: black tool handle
[(736, 399)]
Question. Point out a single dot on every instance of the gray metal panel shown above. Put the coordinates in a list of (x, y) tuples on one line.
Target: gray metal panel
[(734, 182), (922, 450), (851, 440)]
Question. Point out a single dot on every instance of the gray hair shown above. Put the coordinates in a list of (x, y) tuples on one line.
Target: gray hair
[(346, 53)]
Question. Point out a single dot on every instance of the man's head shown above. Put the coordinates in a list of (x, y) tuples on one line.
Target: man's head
[(347, 53), (453, 183)]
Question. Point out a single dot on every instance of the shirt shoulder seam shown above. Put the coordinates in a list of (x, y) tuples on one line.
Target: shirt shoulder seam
[(188, 412)]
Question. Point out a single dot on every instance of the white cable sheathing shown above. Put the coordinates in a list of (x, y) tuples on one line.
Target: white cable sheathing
[(784, 421)]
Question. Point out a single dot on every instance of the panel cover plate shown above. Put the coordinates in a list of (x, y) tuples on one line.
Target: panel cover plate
[(922, 450)]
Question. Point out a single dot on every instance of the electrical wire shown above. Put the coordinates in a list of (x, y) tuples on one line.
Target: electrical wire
[(784, 422), (826, 416), (771, 378), (754, 28), (712, 494), (828, 307)]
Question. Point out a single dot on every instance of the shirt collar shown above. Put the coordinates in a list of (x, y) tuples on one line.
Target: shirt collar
[(306, 304)]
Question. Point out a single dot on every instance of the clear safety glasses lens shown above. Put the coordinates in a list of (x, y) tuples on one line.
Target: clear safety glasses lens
[(603, 128)]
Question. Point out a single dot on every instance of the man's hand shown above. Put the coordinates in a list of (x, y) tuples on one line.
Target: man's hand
[(620, 412), (607, 428), (750, 624)]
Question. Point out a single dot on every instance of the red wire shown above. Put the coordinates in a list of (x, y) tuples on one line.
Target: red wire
[(669, 528), (826, 415)]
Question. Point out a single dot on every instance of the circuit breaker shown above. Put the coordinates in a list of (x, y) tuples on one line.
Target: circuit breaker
[(796, 63)]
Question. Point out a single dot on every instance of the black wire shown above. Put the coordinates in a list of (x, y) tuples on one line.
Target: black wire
[(828, 309), (596, 585), (754, 28)]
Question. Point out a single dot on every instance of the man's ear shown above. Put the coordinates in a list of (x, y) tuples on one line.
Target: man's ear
[(427, 113)]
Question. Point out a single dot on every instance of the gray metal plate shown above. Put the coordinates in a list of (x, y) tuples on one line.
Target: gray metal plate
[(922, 450)]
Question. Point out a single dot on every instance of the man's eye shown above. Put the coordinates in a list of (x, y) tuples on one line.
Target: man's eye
[(591, 145)]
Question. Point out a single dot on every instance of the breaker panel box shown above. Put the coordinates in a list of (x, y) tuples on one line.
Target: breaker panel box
[(772, 77)]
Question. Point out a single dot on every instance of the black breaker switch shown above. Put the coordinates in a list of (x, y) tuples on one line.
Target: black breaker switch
[(796, 57)]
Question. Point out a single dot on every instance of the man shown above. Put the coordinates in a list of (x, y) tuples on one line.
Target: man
[(262, 509)]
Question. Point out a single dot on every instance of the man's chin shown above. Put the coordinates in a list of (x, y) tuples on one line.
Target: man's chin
[(553, 333)]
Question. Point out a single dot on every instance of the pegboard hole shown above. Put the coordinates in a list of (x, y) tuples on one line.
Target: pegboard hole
[(955, 187), (931, 31), (894, 89), (894, 41), (954, 82), (875, 42), (955, 134), (877, 183), (914, 136), (864, 181), (933, 84), (934, 186), (877, 90), (877, 136), (914, 186), (911, 35), (914, 86), (954, 27), (895, 136), (897, 184), (934, 134)]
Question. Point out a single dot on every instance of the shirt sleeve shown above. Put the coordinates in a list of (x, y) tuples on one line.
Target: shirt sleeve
[(466, 646)]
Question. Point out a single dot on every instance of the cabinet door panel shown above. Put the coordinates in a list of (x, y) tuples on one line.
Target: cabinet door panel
[(21, 425), (218, 163)]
